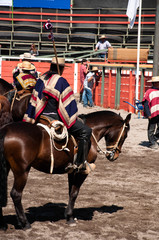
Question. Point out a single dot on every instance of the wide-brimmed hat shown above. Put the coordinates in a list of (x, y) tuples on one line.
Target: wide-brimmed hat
[(102, 37), (154, 79), (94, 69), (26, 56), (61, 61), (25, 65)]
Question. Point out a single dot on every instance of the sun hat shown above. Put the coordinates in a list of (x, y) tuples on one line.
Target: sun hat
[(25, 65), (102, 37), (94, 69), (61, 61), (26, 55), (154, 79)]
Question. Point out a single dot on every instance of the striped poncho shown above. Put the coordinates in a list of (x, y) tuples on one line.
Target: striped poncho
[(58, 88), (152, 96)]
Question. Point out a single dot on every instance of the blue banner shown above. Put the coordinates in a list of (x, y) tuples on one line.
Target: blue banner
[(57, 4)]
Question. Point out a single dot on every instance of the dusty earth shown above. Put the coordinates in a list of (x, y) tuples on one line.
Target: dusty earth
[(119, 200)]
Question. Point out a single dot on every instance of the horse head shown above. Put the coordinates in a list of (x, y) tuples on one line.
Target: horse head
[(116, 137)]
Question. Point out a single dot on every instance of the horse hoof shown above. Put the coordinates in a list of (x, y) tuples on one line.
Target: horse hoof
[(72, 222), (27, 226), (3, 227)]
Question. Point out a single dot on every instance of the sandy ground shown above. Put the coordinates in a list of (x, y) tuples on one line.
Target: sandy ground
[(118, 201)]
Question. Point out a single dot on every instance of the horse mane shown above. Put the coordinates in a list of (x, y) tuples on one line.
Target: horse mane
[(101, 114)]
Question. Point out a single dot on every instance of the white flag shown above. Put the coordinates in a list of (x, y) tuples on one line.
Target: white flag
[(131, 11), (5, 2)]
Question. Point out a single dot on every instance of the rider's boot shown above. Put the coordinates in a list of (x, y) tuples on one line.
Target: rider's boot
[(80, 162)]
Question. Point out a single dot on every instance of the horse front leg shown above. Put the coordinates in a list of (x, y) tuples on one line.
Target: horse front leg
[(16, 194), (75, 181)]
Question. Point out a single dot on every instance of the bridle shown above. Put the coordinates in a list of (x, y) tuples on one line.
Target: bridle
[(113, 148)]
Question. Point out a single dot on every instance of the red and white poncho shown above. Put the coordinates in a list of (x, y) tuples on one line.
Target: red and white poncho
[(152, 96)]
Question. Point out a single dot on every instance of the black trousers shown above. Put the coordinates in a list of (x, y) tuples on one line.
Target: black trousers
[(82, 133), (153, 130)]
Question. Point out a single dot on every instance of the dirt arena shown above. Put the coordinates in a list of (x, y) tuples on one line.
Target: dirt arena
[(118, 201)]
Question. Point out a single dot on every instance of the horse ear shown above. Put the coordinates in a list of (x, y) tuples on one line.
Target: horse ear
[(127, 119)]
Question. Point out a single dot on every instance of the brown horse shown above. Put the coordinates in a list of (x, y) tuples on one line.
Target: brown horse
[(24, 145), (20, 103), (5, 87)]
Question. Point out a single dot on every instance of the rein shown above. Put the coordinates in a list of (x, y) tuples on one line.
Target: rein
[(13, 100), (8, 92)]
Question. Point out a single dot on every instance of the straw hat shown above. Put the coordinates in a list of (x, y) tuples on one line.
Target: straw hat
[(26, 56), (154, 79), (94, 69), (102, 37), (61, 61), (25, 65)]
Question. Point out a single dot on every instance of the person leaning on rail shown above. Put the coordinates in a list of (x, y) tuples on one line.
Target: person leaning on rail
[(102, 44), (55, 99)]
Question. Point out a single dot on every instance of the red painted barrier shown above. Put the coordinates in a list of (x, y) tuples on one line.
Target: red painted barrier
[(127, 86)]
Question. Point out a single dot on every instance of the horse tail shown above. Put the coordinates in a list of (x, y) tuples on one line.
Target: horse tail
[(3, 172)]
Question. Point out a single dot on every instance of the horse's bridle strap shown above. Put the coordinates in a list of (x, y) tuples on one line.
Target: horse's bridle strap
[(115, 147)]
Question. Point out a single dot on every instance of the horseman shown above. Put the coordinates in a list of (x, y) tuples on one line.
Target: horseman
[(23, 78), (54, 98), (25, 74)]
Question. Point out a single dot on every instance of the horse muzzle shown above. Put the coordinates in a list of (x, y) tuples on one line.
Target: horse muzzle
[(112, 155)]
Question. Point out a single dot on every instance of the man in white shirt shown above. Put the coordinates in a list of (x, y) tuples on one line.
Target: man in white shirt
[(103, 44), (89, 83)]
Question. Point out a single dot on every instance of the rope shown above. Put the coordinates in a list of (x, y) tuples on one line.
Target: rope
[(98, 144), (11, 108), (52, 156), (53, 135)]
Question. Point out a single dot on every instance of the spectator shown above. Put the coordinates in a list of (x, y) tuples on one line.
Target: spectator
[(102, 44), (151, 111), (89, 83), (33, 50), (83, 72)]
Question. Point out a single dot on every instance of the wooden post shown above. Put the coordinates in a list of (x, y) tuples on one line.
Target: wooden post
[(102, 87), (109, 87), (156, 44), (117, 90)]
